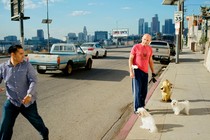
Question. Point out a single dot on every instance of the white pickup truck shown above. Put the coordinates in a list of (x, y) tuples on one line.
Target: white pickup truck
[(64, 57), (161, 50)]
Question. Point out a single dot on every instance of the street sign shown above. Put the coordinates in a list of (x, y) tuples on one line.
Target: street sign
[(17, 7), (178, 16)]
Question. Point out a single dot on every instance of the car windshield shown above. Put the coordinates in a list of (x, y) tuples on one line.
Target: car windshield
[(87, 45)]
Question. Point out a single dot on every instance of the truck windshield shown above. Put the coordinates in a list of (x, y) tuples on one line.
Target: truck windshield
[(159, 43)]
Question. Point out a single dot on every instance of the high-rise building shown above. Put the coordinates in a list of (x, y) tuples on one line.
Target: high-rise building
[(155, 25), (169, 27), (146, 27), (141, 26), (71, 38), (101, 35), (81, 37), (40, 34), (85, 33)]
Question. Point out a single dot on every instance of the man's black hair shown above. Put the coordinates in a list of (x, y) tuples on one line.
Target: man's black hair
[(14, 48)]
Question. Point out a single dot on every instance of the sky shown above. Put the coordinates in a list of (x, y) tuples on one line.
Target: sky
[(70, 16)]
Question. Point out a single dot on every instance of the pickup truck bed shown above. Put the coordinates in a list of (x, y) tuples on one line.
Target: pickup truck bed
[(161, 50)]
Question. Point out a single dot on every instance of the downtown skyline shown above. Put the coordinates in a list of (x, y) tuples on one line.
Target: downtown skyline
[(96, 15)]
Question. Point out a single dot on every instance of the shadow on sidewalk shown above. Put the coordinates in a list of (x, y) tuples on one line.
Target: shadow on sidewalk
[(164, 128), (191, 60), (193, 111)]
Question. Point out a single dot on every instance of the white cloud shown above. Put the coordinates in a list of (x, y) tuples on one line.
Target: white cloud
[(29, 4), (80, 13), (126, 8), (6, 4), (90, 4)]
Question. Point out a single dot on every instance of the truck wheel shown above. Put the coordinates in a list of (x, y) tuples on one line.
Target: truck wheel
[(88, 65), (41, 71), (68, 70)]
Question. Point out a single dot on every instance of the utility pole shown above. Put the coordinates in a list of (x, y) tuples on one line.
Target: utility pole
[(17, 14), (47, 21)]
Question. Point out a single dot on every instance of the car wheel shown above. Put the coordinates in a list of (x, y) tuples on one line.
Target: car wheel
[(96, 56), (68, 70), (41, 71), (88, 65)]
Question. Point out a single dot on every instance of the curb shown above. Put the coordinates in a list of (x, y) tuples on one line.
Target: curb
[(129, 124)]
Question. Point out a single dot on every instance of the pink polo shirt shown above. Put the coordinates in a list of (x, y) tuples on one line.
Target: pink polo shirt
[(142, 55)]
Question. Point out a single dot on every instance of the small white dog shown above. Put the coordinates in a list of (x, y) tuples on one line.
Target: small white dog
[(180, 106), (148, 121)]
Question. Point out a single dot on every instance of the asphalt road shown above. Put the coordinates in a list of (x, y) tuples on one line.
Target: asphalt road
[(87, 105)]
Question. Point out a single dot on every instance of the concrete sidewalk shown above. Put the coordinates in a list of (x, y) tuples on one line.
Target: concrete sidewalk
[(191, 81)]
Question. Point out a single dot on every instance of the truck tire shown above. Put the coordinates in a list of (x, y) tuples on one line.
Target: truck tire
[(41, 71), (68, 70), (88, 66)]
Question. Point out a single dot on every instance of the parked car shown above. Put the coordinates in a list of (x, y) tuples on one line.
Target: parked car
[(161, 50), (95, 49)]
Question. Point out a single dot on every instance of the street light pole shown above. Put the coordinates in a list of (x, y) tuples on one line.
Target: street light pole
[(48, 32)]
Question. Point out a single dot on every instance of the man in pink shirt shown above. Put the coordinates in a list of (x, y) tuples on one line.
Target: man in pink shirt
[(139, 61)]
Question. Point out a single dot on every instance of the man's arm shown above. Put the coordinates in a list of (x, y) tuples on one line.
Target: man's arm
[(32, 84), (130, 65), (151, 64)]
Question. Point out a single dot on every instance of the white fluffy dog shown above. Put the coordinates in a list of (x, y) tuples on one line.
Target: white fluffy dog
[(180, 106), (148, 121)]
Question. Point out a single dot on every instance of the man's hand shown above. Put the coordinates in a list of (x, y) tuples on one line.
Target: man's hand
[(132, 74), (26, 99), (2, 89), (153, 77)]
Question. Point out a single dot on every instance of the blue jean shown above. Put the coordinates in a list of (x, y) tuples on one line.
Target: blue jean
[(139, 88), (9, 115)]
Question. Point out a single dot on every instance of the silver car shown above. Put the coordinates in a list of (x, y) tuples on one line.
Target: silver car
[(94, 48)]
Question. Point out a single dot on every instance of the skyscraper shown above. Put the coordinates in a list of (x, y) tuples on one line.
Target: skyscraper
[(85, 33), (155, 25), (40, 34), (169, 27), (141, 26), (146, 27)]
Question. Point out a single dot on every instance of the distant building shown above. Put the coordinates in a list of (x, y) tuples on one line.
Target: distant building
[(146, 28), (40, 34), (90, 38), (141, 26), (169, 27), (85, 32), (155, 25), (81, 37), (71, 38), (10, 38), (101, 36)]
